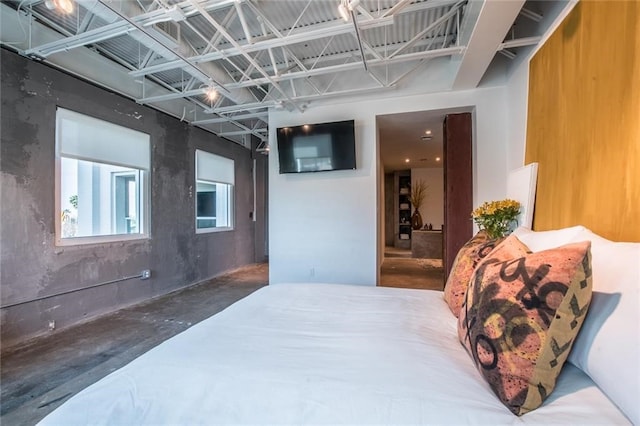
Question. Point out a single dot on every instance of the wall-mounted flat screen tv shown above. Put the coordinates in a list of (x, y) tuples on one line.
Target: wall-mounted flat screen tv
[(317, 147)]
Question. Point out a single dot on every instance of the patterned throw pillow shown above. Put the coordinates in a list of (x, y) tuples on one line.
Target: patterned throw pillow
[(521, 317), (463, 265), (510, 248)]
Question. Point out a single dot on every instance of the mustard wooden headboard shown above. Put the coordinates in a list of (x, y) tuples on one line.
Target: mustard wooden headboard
[(583, 124)]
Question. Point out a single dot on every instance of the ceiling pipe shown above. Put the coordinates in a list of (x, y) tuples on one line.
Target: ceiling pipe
[(358, 38)]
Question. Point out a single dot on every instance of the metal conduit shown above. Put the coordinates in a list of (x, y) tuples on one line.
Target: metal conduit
[(10, 305)]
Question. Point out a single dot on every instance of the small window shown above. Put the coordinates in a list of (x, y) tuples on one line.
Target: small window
[(101, 179), (215, 177)]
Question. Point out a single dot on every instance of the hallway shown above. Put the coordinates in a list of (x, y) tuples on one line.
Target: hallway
[(399, 269)]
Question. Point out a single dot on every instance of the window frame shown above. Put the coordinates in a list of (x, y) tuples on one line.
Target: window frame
[(231, 196), (144, 189), (138, 179)]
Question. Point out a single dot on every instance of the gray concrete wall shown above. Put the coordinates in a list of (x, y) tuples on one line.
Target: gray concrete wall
[(33, 266), (261, 213)]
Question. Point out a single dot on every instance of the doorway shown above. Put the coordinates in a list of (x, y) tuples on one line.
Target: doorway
[(412, 151)]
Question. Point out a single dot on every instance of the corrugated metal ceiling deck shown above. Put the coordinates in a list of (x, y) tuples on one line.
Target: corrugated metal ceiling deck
[(256, 53)]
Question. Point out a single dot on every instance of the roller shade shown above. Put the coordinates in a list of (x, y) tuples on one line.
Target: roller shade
[(214, 168), (91, 139)]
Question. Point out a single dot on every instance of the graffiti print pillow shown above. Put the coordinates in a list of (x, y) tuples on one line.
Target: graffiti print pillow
[(520, 318), (463, 265)]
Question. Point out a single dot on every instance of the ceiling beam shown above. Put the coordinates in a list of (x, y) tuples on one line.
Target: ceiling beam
[(96, 35), (121, 27), (434, 25), (520, 42), (302, 35), (252, 61), (299, 37), (242, 132), (194, 70), (170, 96), (243, 22), (263, 116), (494, 20), (351, 66)]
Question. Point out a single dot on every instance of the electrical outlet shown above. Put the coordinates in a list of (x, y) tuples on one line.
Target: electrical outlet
[(145, 274)]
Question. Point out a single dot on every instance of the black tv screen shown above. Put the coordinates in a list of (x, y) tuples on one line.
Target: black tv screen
[(317, 147)]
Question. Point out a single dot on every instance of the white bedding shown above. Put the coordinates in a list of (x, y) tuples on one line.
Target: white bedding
[(320, 353)]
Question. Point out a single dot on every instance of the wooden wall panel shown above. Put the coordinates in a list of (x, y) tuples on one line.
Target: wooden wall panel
[(584, 121)]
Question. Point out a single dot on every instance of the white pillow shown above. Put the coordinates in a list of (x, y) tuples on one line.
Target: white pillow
[(545, 240), (608, 345)]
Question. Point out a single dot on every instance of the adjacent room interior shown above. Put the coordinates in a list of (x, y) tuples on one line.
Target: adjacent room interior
[(412, 153)]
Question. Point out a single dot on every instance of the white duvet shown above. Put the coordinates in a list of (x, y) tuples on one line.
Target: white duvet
[(320, 354)]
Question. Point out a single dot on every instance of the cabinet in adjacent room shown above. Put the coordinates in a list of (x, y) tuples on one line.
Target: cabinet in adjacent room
[(402, 208)]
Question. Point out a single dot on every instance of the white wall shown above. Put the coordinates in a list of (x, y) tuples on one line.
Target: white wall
[(323, 226), (381, 215), (517, 99), (432, 210)]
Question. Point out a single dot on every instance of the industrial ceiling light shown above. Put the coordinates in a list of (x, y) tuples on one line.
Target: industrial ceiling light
[(210, 93), (346, 7), (64, 6)]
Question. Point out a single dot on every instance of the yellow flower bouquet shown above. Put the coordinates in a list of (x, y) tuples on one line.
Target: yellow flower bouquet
[(497, 217)]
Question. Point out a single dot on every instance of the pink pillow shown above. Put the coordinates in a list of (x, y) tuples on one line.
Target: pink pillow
[(521, 317), (463, 265)]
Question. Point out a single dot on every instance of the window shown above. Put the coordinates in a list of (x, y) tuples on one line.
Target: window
[(215, 177), (101, 180)]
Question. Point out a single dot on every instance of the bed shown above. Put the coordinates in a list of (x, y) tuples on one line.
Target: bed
[(345, 354)]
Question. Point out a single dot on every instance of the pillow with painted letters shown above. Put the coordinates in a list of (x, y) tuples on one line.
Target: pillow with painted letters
[(521, 316), (463, 265), (611, 330)]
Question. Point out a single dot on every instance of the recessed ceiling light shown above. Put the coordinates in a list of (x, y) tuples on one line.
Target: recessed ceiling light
[(428, 132), (406, 160), (437, 158)]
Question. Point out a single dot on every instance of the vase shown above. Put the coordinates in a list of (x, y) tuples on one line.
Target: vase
[(416, 220)]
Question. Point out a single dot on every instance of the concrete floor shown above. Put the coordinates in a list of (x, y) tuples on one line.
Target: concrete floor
[(39, 376), (399, 269)]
